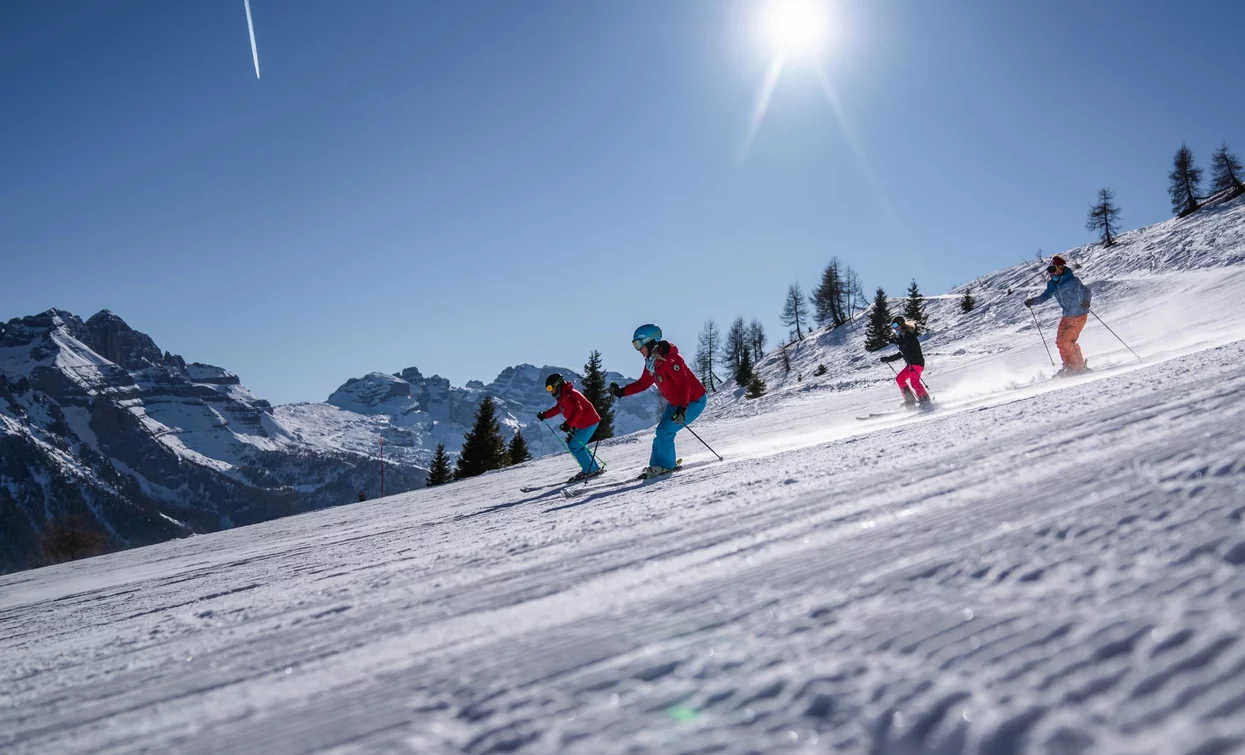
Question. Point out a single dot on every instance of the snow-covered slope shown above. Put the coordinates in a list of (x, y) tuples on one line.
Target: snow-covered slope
[(1039, 567), (1178, 263)]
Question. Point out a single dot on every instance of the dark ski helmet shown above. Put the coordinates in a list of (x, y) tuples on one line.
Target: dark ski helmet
[(554, 382), (645, 335)]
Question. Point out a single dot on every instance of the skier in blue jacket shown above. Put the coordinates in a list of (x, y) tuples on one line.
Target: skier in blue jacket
[(1074, 298)]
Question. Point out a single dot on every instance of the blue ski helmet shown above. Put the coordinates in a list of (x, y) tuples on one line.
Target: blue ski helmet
[(644, 335)]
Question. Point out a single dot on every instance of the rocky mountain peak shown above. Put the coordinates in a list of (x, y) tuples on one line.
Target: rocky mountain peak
[(371, 392), (110, 337)]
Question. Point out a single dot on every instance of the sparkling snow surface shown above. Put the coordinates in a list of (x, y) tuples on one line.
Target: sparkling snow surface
[(1041, 567)]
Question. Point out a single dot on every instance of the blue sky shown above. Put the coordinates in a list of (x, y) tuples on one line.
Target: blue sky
[(465, 186)]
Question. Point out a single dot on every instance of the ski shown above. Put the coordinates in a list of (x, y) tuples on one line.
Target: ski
[(534, 488), (918, 411), (565, 484), (571, 492)]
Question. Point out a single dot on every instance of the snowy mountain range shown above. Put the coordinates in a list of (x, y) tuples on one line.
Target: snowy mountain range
[(96, 421), (414, 413)]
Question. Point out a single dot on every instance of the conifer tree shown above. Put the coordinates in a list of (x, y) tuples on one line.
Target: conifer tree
[(743, 374), (483, 446), (735, 345), (1185, 182), (878, 331), (516, 452), (829, 298), (856, 297), (440, 473), (795, 311), (599, 396), (756, 387), (756, 339), (69, 538), (1104, 217), (708, 348), (967, 302), (1227, 172), (914, 308)]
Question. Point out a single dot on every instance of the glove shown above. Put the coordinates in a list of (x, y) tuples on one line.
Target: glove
[(886, 360), (564, 427), (615, 391), (679, 413), (1084, 303), (1028, 302), (540, 416)]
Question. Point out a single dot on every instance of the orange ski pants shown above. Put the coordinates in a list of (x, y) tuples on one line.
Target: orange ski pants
[(1069, 350)]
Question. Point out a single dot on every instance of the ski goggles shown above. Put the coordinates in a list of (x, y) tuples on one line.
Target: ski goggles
[(549, 389), (638, 344), (1052, 269), (894, 326)]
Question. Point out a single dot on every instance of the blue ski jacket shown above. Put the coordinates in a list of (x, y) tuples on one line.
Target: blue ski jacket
[(1073, 296)]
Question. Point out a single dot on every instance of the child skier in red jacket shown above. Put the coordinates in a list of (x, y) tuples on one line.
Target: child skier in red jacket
[(581, 422)]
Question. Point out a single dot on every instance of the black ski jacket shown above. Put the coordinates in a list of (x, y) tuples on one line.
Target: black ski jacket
[(909, 348)]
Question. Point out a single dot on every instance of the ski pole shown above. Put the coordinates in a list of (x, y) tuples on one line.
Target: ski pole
[(702, 441), (596, 462), (561, 442), (1121, 340), (1039, 330)]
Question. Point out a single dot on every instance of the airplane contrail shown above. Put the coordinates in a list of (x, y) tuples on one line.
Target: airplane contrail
[(251, 26)]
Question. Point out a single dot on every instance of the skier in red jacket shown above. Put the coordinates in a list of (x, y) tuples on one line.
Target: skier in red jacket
[(678, 385), (581, 422)]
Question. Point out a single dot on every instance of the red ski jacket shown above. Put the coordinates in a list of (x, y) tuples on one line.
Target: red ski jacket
[(575, 407), (678, 384)]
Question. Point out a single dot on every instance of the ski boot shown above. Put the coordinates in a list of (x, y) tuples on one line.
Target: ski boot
[(654, 471), (926, 404), (585, 476)]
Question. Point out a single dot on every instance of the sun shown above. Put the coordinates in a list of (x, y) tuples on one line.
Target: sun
[(795, 27)]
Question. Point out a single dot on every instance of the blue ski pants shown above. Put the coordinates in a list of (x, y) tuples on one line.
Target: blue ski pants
[(663, 443), (579, 448)]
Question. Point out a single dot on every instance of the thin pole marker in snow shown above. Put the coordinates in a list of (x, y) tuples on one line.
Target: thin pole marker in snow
[(382, 466), (1121, 340), (251, 28)]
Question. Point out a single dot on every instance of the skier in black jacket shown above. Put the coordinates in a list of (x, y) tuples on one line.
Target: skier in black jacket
[(903, 335)]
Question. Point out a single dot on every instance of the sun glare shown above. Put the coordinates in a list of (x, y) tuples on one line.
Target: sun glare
[(795, 27)]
